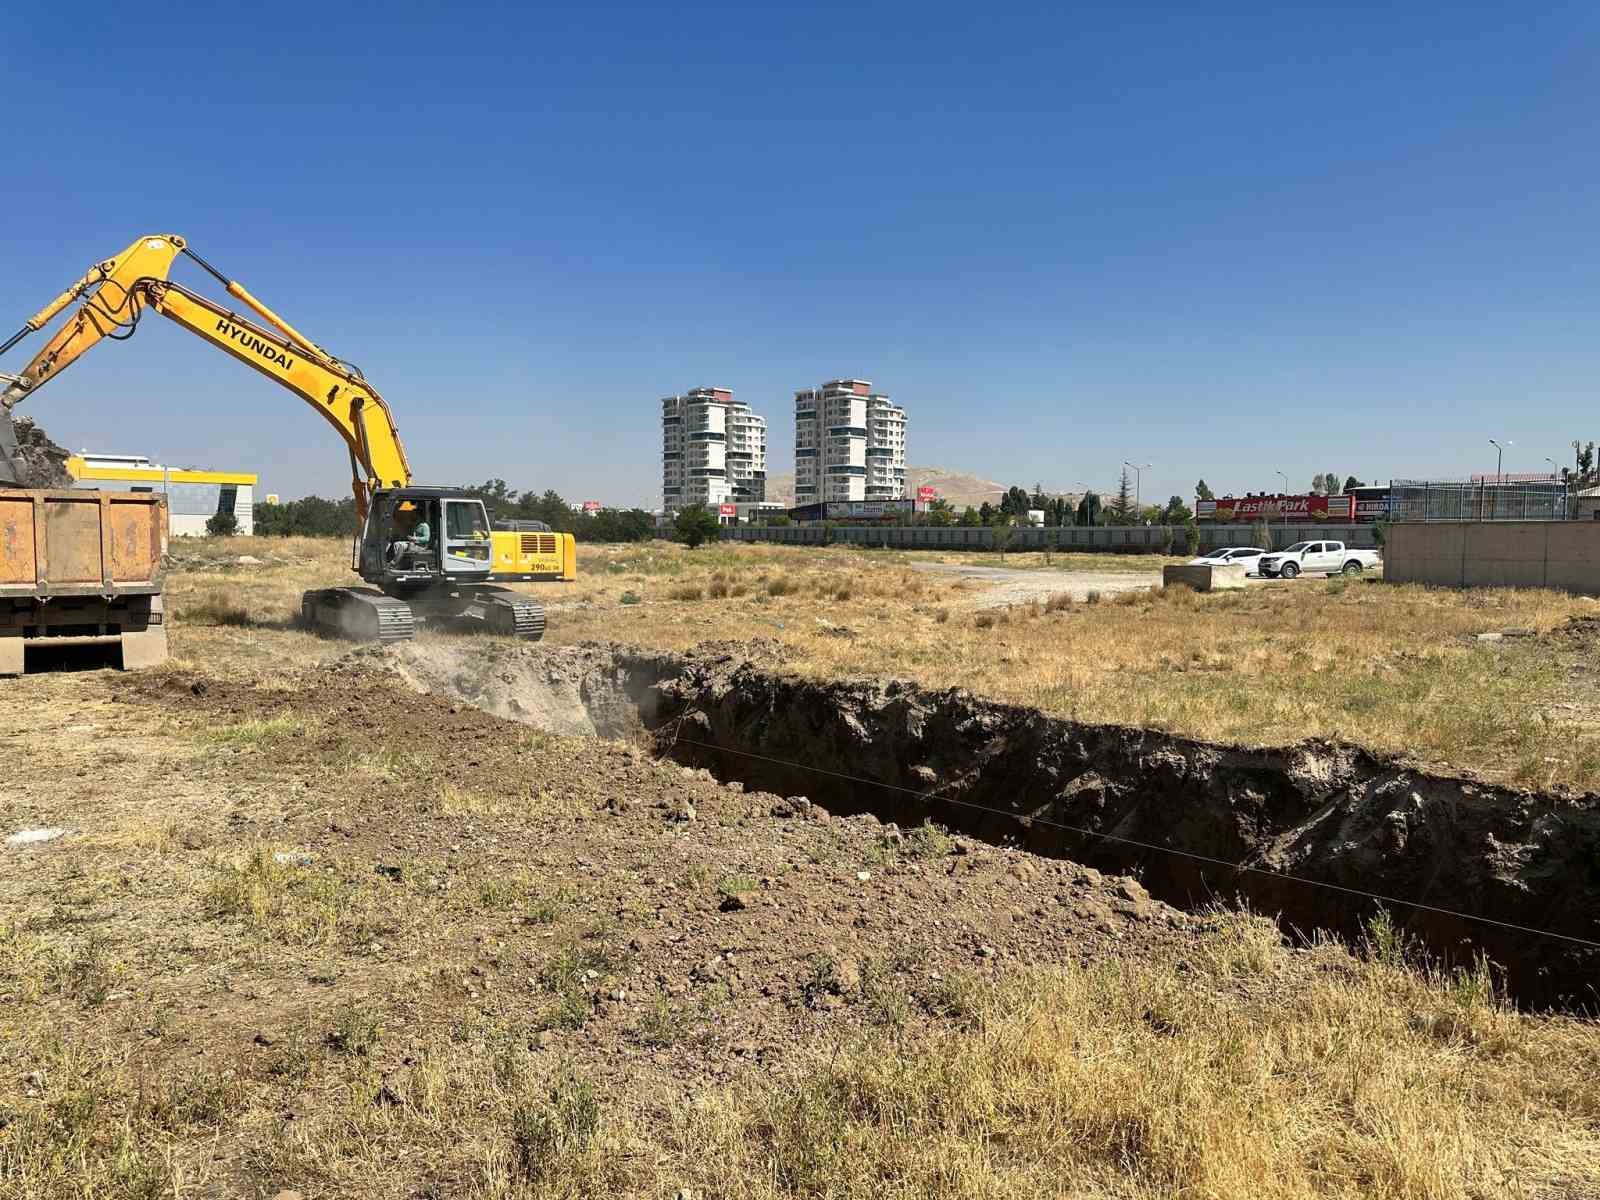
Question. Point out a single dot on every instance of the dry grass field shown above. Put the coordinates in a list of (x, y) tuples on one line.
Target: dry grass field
[(314, 931), (1400, 670)]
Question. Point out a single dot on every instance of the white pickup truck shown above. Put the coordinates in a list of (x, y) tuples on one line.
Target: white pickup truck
[(1322, 558)]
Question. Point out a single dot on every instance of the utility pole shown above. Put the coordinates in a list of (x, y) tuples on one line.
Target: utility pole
[(1085, 487)]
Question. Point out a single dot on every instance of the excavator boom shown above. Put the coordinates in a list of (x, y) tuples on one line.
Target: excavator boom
[(115, 294)]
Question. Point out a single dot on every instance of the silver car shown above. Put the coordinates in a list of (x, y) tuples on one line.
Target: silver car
[(1248, 555)]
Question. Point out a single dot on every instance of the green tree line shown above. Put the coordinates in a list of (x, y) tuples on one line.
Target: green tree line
[(313, 516)]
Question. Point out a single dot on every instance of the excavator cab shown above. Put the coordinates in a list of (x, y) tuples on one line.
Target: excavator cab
[(419, 537)]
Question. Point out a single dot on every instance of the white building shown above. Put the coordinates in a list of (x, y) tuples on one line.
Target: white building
[(849, 444), (713, 450), (193, 497), (886, 449)]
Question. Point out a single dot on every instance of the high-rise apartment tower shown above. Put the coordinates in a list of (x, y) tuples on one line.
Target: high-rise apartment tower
[(849, 444), (713, 450)]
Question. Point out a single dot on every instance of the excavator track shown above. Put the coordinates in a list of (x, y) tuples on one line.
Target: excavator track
[(510, 614), (365, 614), (526, 619)]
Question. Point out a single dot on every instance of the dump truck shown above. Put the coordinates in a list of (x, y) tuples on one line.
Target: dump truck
[(82, 568)]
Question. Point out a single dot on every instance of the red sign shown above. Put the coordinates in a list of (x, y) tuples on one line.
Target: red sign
[(926, 493), (591, 506), (1277, 508), (728, 510)]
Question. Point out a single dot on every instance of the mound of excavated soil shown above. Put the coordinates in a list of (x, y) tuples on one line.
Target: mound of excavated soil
[(40, 462)]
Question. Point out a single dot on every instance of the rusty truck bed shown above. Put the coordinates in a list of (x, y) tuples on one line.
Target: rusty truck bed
[(82, 567)]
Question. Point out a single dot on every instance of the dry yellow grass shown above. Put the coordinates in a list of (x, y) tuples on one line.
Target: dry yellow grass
[(1237, 1072), (1396, 669), (139, 960)]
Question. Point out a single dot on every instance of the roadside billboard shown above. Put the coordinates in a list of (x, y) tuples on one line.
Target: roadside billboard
[(727, 510), (926, 493), (1248, 509)]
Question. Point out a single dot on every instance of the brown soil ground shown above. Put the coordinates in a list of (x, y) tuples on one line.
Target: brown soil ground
[(450, 858)]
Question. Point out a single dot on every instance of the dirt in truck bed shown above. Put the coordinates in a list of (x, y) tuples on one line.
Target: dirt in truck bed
[(41, 462)]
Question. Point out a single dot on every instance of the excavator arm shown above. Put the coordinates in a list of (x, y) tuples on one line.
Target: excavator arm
[(114, 295)]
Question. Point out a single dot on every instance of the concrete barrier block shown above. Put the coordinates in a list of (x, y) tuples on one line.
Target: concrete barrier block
[(1204, 578)]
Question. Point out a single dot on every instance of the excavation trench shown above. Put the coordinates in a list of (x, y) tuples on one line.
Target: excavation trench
[(1313, 833)]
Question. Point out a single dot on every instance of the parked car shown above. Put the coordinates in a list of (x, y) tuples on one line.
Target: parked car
[(1317, 558), (1248, 555)]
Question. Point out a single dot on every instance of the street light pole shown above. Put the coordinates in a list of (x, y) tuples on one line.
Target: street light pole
[(1500, 458), (1138, 482), (1085, 499)]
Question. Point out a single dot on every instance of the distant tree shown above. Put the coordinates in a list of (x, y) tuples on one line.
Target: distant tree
[(780, 521), (1058, 511), (1039, 499), (310, 516), (1089, 510), (1319, 484), (1202, 492), (1015, 502), (1176, 512), (1003, 533), (1191, 536), (986, 513), (1586, 461), (1261, 536), (222, 524), (1351, 483), (970, 517), (1122, 505), (940, 514), (696, 524)]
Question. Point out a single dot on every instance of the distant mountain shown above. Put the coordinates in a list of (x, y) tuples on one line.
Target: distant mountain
[(958, 487)]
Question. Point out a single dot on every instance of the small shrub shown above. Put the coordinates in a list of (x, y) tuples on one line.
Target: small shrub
[(563, 1123), (1060, 602), (355, 1031), (662, 1025), (928, 841), (985, 621), (222, 524), (941, 615), (719, 587), (630, 598), (1091, 597), (782, 585), (685, 591)]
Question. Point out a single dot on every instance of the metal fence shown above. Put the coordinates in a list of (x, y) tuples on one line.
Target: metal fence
[(1115, 539), (1481, 499)]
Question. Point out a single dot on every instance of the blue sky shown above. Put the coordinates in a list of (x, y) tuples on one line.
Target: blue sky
[(1224, 239)]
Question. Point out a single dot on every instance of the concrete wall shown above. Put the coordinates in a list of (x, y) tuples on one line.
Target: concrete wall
[(1555, 554), (1125, 539)]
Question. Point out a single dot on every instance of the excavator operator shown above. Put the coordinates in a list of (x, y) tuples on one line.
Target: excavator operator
[(412, 544)]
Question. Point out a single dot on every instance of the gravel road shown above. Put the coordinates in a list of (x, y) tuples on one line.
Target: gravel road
[(1017, 586)]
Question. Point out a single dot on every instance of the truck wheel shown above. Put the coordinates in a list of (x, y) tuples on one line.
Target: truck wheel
[(1352, 568), (1289, 570)]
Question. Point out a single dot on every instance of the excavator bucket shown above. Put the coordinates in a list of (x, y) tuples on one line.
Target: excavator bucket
[(11, 472)]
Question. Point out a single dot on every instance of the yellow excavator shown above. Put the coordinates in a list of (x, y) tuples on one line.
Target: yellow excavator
[(429, 551)]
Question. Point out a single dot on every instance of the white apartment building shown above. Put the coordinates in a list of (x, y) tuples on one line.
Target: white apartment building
[(713, 450), (849, 444), (886, 449)]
